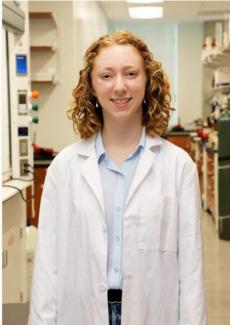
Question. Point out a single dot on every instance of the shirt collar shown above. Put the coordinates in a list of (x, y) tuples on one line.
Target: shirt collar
[(140, 145), (100, 149), (142, 139)]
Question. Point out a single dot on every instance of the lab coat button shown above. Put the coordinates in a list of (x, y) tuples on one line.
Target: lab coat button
[(102, 287), (104, 229)]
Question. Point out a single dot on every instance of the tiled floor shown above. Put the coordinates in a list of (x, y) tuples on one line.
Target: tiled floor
[(217, 274), (217, 281)]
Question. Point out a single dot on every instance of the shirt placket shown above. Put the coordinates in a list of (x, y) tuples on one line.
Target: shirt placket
[(118, 221)]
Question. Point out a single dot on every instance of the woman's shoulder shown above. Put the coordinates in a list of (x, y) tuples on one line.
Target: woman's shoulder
[(176, 154), (81, 148)]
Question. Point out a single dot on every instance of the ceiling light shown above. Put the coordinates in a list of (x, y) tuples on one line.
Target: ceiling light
[(144, 1), (145, 12)]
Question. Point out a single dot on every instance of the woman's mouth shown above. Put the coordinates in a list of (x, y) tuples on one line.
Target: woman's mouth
[(121, 100)]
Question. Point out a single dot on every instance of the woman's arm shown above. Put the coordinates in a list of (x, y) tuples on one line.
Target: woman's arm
[(190, 255), (43, 308)]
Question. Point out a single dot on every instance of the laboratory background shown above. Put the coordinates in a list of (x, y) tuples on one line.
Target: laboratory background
[(43, 43)]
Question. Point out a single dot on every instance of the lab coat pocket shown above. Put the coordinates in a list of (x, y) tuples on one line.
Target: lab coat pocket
[(157, 223)]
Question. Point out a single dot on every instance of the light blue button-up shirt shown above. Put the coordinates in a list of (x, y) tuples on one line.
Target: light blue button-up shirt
[(115, 183)]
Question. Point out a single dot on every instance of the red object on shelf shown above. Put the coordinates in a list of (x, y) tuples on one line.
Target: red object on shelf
[(199, 131), (203, 133), (39, 151), (35, 94)]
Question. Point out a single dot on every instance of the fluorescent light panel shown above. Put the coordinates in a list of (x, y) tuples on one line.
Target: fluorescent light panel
[(145, 12), (145, 1)]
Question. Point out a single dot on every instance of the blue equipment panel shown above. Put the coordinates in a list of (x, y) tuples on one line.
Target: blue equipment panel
[(21, 64)]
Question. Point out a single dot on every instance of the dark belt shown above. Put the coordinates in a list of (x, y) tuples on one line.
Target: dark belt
[(114, 295)]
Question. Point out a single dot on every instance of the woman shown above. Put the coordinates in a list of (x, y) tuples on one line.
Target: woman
[(119, 229)]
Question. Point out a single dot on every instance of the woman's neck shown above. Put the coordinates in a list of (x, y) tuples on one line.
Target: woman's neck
[(120, 141)]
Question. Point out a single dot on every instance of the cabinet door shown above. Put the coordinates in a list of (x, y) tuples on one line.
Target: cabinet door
[(33, 214), (14, 251), (40, 177)]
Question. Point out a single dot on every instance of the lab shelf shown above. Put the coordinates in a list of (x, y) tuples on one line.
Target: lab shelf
[(223, 89), (51, 82), (42, 48), (218, 60), (41, 15)]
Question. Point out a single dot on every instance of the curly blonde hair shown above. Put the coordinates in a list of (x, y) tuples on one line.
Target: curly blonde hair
[(87, 120)]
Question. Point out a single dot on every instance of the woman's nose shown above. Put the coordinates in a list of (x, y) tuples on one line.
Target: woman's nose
[(120, 84)]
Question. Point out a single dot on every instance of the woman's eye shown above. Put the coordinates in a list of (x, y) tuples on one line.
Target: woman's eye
[(131, 74), (106, 76)]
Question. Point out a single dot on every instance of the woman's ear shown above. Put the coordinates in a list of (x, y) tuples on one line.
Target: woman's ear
[(92, 90)]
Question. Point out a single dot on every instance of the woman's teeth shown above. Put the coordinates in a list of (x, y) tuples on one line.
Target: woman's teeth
[(121, 100)]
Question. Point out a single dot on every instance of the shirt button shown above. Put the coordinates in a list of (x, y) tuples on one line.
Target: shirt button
[(115, 269), (118, 209), (104, 229), (117, 238), (102, 287)]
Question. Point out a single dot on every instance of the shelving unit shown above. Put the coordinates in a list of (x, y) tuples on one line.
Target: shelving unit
[(43, 48), (216, 154)]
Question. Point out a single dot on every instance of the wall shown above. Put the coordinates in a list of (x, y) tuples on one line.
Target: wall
[(90, 20), (190, 39), (78, 23)]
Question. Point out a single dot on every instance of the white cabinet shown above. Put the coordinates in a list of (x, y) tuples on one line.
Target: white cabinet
[(14, 277)]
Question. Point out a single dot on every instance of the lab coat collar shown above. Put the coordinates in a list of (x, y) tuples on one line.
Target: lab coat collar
[(91, 173), (86, 147), (152, 142)]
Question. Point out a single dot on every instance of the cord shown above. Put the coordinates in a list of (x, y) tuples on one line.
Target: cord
[(24, 180), (27, 171), (20, 191)]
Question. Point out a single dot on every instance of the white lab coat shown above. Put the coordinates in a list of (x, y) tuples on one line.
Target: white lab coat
[(162, 246)]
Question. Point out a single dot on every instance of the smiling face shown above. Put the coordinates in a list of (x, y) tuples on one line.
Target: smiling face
[(119, 82)]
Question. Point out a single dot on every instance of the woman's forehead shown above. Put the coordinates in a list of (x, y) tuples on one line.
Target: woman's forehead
[(118, 54)]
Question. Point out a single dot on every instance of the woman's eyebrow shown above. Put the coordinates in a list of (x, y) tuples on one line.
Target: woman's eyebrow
[(123, 68)]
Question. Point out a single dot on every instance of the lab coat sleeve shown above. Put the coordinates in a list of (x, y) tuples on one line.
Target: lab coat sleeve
[(43, 307), (192, 305)]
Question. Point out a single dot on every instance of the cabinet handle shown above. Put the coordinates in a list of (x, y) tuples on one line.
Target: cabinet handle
[(4, 258)]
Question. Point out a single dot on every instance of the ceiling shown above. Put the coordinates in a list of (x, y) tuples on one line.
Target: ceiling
[(174, 11)]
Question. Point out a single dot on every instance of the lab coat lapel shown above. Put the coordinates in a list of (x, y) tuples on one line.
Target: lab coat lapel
[(90, 170), (144, 165), (91, 173)]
